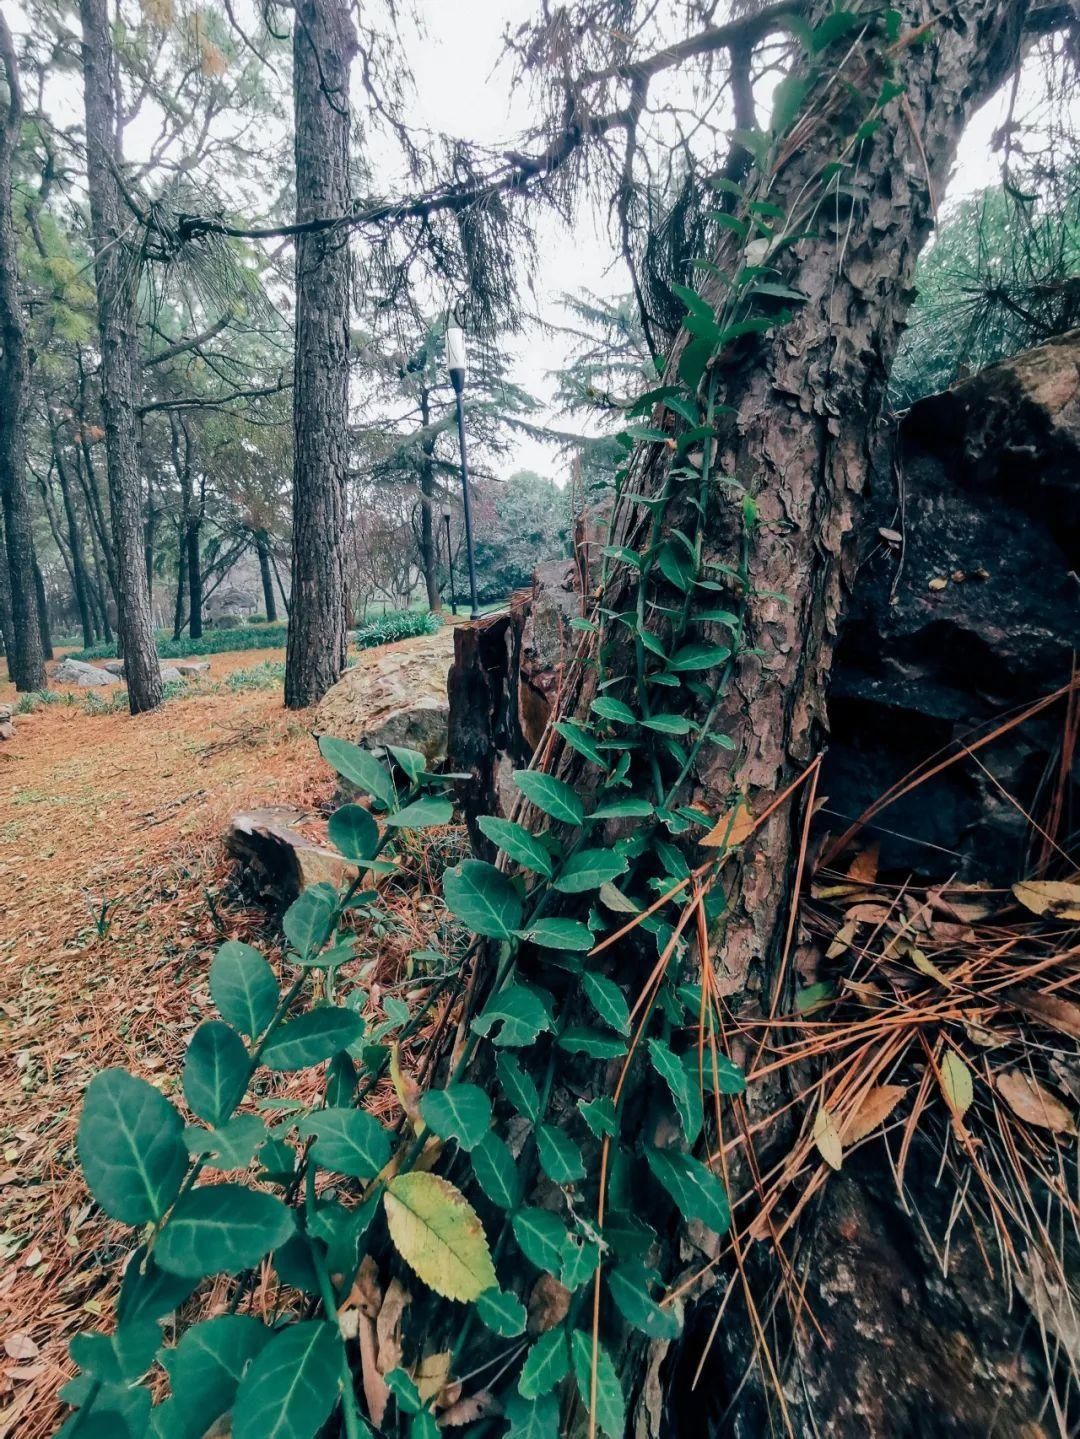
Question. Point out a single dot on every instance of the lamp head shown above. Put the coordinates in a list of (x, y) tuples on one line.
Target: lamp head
[(455, 354)]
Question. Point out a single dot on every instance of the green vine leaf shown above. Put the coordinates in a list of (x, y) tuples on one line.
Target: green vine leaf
[(560, 1158), (120, 1357), (683, 1086), (309, 919), (460, 1111), (518, 1086), (589, 869), (428, 812), (231, 1146), (697, 1192), (559, 934), (359, 767), (404, 1391), (205, 1369), (532, 1418), (577, 1040), (216, 1072), (131, 1147), (222, 1229), (496, 1172), (577, 737), (599, 1115), (353, 832), (630, 807), (629, 1285), (541, 1237), (243, 987), (610, 1405), (439, 1235), (554, 796), (348, 1141), (311, 1037), (515, 1016), (612, 709), (483, 899), (292, 1386), (502, 1313), (516, 841), (546, 1364), (695, 658), (580, 1262), (668, 724), (607, 1000)]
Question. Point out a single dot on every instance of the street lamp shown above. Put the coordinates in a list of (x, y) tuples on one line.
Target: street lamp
[(446, 513), (455, 363)]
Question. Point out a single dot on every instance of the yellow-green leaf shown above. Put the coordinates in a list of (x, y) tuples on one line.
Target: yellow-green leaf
[(439, 1235), (827, 1138), (956, 1084), (1055, 899)]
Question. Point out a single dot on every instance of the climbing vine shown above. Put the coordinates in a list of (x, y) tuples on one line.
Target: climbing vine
[(493, 1182)]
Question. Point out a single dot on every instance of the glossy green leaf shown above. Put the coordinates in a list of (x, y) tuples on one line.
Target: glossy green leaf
[(482, 898), (668, 724), (532, 1418), (517, 842), (427, 812), (599, 1115), (698, 657), (610, 1411), (676, 565), (577, 1040), (697, 1192), (560, 1158), (348, 1141), (588, 869), (243, 987), (559, 934), (581, 1259), (359, 767), (353, 832), (149, 1292), (630, 1285), (310, 918), (496, 1171), (683, 1086), (222, 1228), (311, 1037), (205, 1369), (518, 1085), (460, 1111), (404, 1391), (120, 1357), (612, 709), (502, 1313), (630, 807), (292, 1386), (728, 1077), (578, 737), (131, 1147), (216, 1071), (554, 796), (514, 1016), (608, 1000), (546, 1363), (541, 1237), (230, 1146)]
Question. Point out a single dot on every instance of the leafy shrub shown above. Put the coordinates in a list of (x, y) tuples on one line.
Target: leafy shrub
[(265, 676), (213, 642), (27, 704), (395, 625)]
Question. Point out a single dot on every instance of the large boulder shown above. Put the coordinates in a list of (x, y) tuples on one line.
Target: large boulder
[(77, 672), (395, 694), (6, 727)]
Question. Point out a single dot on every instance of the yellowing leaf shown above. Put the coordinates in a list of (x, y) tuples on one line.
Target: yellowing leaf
[(732, 829), (431, 1374), (877, 1104), (956, 1084), (827, 1138), (439, 1235), (1033, 1103), (928, 967), (1051, 898), (844, 935)]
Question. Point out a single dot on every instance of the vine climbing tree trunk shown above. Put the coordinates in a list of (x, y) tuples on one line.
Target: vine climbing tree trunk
[(22, 635), (116, 278), (323, 46)]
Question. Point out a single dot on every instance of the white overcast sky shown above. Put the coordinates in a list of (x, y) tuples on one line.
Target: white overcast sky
[(463, 87)]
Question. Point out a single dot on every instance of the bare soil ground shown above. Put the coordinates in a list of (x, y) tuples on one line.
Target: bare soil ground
[(104, 809)]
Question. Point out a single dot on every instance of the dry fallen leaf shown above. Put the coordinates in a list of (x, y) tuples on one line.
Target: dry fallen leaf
[(1033, 1103), (465, 1411), (928, 967), (938, 583), (20, 1346), (864, 866), (548, 1304), (732, 829), (827, 1138), (844, 935), (956, 1084), (431, 1374), (1050, 898), (875, 1108), (1059, 1014), (388, 1325), (894, 537)]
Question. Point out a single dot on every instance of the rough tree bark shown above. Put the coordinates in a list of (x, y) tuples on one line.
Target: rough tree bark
[(44, 632), (79, 578), (323, 46), (25, 660), (116, 274)]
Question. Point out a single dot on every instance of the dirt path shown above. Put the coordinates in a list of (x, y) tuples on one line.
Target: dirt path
[(108, 810)]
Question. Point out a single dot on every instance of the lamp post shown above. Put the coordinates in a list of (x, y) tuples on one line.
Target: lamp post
[(455, 363), (449, 558)]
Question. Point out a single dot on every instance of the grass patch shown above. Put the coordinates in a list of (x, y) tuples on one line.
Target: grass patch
[(395, 625), (266, 676), (213, 642)]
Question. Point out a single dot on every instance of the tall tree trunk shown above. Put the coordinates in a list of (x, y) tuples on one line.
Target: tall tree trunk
[(280, 584), (44, 632), (262, 549), (5, 600), (181, 587), (25, 662), (101, 591), (79, 579), (323, 47), (429, 549), (153, 514), (195, 579), (115, 273)]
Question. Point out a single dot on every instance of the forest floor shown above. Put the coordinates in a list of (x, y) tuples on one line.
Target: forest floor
[(103, 810)]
